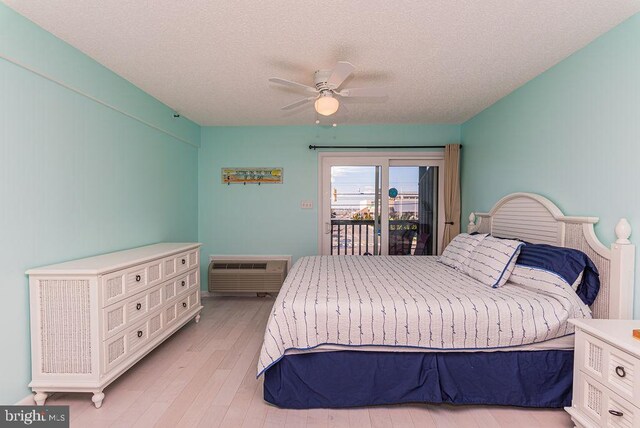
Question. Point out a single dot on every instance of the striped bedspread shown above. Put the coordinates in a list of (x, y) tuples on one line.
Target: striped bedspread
[(359, 301)]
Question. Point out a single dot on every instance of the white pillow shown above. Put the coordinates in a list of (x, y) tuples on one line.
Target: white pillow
[(526, 275), (493, 260), (459, 249)]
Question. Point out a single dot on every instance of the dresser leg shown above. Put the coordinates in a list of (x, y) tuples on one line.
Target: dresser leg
[(40, 397), (197, 318), (97, 399)]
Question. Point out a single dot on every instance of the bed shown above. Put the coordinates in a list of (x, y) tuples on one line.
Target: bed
[(351, 331)]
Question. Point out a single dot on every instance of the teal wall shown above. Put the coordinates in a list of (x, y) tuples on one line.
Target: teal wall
[(78, 178), (268, 219), (571, 134)]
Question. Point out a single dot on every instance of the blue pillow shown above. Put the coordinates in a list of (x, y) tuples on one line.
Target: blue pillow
[(565, 262)]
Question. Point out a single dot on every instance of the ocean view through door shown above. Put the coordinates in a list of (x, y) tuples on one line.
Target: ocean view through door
[(381, 205), (355, 210)]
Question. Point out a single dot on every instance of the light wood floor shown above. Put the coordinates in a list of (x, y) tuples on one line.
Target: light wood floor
[(205, 376)]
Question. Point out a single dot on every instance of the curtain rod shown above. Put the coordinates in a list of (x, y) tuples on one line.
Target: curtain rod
[(312, 147)]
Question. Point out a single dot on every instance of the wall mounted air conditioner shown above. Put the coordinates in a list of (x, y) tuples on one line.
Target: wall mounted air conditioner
[(246, 276)]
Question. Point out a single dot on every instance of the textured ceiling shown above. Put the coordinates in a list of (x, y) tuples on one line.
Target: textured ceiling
[(442, 61)]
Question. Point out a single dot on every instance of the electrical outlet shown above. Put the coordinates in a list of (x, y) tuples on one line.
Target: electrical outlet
[(306, 205)]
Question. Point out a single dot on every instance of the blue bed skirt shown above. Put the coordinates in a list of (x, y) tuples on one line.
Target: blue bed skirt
[(355, 378)]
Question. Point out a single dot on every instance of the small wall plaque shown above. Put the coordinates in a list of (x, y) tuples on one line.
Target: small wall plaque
[(251, 175)]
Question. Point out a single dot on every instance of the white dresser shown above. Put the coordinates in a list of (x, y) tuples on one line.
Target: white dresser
[(606, 381), (94, 318)]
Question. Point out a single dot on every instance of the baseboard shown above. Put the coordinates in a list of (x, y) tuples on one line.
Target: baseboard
[(205, 293)]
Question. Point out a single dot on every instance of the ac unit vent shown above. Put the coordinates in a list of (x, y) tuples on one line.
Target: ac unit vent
[(230, 266), (259, 276)]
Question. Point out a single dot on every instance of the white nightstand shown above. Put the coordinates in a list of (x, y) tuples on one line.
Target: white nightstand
[(606, 374)]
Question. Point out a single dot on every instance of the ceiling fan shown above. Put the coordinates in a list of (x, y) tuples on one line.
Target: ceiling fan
[(326, 92)]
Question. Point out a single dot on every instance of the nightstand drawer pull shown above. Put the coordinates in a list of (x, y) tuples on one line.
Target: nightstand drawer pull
[(620, 371), (184, 261), (184, 304), (183, 283), (138, 278), (138, 306), (140, 335), (616, 413)]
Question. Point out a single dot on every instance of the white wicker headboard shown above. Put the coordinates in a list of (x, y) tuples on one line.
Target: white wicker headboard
[(536, 219)]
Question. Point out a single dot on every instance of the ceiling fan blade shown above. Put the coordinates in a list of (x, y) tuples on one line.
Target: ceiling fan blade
[(298, 103), (341, 71), (291, 84), (363, 92)]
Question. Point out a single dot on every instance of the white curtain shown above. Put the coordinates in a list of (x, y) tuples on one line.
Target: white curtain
[(451, 193)]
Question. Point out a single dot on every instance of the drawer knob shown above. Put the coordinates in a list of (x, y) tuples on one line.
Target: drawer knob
[(620, 371), (138, 278), (184, 261), (140, 335), (183, 283), (616, 413), (184, 304), (138, 306)]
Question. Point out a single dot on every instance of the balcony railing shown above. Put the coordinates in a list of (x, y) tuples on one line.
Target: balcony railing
[(356, 237), (344, 237)]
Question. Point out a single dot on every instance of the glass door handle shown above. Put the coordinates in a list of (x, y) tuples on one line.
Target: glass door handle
[(327, 227)]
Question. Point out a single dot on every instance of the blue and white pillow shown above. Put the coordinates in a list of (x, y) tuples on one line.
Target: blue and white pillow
[(459, 250), (530, 276), (574, 266), (493, 260)]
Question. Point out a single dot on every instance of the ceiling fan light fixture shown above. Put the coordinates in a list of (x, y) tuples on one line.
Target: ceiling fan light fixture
[(327, 105)]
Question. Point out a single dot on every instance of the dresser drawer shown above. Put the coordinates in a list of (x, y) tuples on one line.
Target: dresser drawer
[(121, 284), (182, 262), (169, 266), (138, 336), (194, 258), (610, 366), (118, 348), (156, 324), (182, 284), (187, 260), (121, 346), (155, 275), (604, 407), (155, 299), (193, 279), (112, 288), (170, 314), (115, 351), (169, 291), (182, 306), (194, 299), (135, 279), (173, 312), (137, 307), (120, 315), (622, 375)]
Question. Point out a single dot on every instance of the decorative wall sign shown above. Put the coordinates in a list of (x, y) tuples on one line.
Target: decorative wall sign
[(252, 175)]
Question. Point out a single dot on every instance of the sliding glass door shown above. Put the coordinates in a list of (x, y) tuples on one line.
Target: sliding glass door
[(354, 224), (388, 204), (413, 208)]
